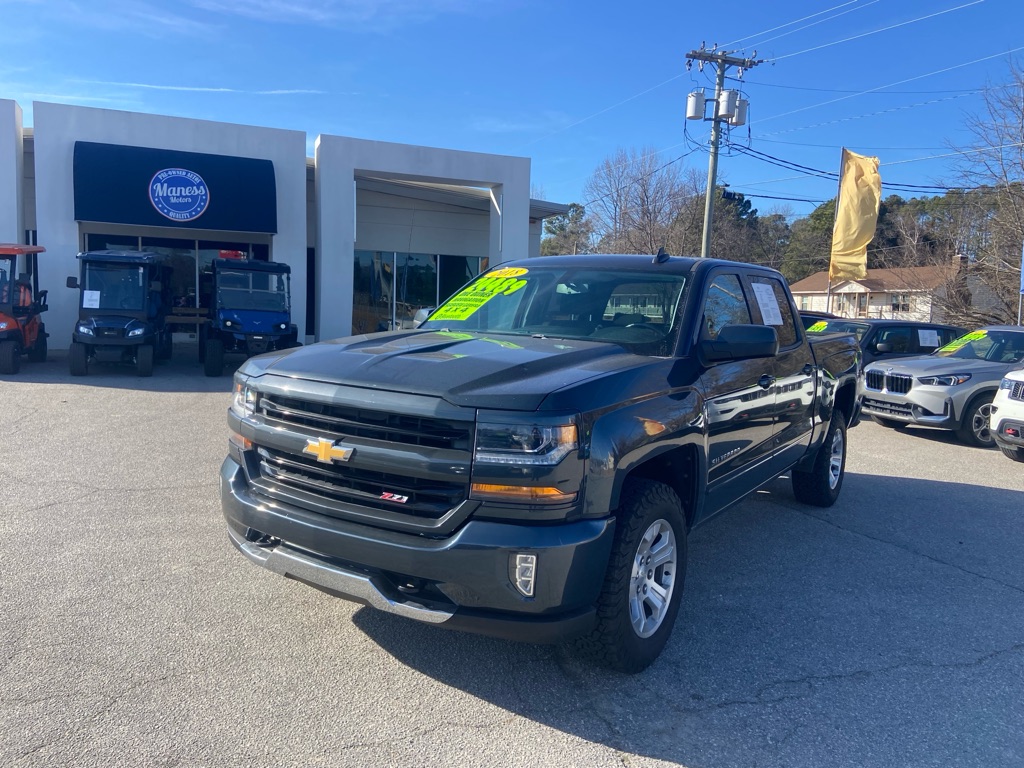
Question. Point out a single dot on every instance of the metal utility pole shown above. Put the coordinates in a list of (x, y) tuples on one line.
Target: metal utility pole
[(723, 110)]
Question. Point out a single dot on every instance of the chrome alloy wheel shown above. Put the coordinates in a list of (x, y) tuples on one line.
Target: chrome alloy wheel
[(653, 578), (835, 459), (981, 426)]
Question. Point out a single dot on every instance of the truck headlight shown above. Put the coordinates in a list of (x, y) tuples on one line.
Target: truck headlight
[(243, 400), (85, 330), (1004, 384), (136, 332), (527, 443), (949, 380)]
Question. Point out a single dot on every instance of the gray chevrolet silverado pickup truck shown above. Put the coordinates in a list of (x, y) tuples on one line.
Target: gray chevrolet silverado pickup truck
[(528, 462)]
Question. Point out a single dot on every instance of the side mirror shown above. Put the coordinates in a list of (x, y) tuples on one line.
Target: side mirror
[(741, 342), (883, 347), (72, 282)]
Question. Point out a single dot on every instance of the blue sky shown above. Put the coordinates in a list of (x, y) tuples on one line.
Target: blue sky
[(564, 83)]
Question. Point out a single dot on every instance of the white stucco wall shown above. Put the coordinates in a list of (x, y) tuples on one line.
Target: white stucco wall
[(12, 229), (340, 159), (58, 127)]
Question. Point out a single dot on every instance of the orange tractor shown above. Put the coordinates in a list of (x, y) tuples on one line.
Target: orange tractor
[(21, 303)]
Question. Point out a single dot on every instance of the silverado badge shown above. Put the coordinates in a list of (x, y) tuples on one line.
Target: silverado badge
[(326, 451)]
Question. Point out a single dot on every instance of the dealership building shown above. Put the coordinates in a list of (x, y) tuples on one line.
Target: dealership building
[(372, 231)]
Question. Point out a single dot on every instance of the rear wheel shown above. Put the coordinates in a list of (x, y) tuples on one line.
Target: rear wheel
[(1017, 454), (78, 359), (213, 361), (821, 485), (889, 423), (10, 357), (974, 426), (38, 353), (640, 598), (144, 360)]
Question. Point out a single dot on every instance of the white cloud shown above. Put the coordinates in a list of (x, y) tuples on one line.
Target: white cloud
[(205, 89), (378, 13)]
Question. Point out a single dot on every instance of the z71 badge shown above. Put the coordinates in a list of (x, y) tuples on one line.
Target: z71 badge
[(394, 497)]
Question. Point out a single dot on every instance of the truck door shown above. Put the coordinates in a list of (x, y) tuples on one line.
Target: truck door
[(793, 369), (739, 401)]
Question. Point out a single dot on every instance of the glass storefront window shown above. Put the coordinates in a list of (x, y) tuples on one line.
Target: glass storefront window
[(181, 257), (111, 242)]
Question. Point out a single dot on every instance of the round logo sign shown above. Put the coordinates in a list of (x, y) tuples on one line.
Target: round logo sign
[(178, 194)]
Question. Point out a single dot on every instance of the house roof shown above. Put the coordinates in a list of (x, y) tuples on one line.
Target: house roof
[(907, 279)]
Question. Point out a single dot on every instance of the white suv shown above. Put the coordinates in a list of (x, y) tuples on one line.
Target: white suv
[(1007, 419)]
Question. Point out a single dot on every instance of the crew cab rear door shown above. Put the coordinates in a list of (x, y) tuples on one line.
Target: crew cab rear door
[(793, 369)]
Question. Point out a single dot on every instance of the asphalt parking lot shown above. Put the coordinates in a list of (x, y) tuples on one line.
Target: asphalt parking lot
[(886, 631)]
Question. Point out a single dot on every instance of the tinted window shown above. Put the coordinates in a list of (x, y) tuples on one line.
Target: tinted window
[(724, 305), (901, 338)]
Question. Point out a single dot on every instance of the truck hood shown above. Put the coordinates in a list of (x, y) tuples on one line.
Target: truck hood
[(467, 369), (931, 365)]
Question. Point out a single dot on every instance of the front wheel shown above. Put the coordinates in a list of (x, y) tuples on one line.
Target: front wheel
[(974, 426), (821, 485), (10, 357), (78, 359), (640, 598), (1017, 454), (144, 360)]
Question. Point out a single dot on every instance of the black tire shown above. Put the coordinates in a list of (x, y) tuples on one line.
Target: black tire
[(38, 353), (144, 360), (626, 637), (78, 359), (820, 486), (889, 423), (213, 361), (974, 424), (10, 357), (1017, 454)]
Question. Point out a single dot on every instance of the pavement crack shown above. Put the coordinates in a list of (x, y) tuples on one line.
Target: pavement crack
[(903, 548)]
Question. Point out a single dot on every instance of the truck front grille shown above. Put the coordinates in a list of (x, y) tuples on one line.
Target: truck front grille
[(894, 383), (346, 421), (1017, 391), (418, 497)]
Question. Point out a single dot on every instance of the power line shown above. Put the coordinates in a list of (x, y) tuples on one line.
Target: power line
[(815, 23), (840, 90), (876, 31), (788, 24), (890, 85)]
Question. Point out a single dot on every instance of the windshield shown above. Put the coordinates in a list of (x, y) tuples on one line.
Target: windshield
[(994, 346), (639, 310), (839, 326), (114, 286), (6, 273), (262, 291)]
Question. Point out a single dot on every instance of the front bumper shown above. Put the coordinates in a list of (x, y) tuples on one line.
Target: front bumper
[(930, 407), (459, 582), (1008, 440)]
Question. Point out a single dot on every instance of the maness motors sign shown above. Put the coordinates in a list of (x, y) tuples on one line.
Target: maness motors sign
[(179, 194)]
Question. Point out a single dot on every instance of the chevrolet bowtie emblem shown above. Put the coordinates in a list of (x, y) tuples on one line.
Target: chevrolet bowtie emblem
[(326, 451)]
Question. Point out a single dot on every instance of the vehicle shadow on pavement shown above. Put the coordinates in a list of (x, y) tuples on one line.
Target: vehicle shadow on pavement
[(182, 373), (882, 631)]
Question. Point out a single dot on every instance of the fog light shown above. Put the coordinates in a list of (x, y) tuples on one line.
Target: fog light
[(523, 569)]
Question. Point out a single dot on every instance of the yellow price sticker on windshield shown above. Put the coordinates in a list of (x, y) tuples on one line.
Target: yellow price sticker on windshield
[(466, 302), (963, 341), (818, 327)]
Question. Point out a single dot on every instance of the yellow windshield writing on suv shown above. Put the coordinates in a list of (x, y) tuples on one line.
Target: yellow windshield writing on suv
[(500, 282), (963, 341), (818, 327)]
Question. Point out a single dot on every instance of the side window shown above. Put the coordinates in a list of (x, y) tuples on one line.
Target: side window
[(773, 301), (724, 305), (946, 335), (900, 337)]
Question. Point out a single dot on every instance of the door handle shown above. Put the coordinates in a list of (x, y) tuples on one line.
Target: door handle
[(765, 381)]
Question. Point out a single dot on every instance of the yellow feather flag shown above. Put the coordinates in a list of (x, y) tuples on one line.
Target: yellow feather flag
[(860, 191)]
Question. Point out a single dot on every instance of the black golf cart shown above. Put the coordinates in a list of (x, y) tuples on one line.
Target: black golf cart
[(123, 303), (250, 311)]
